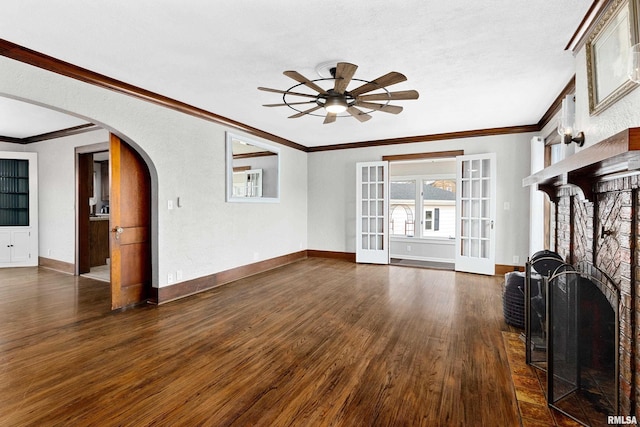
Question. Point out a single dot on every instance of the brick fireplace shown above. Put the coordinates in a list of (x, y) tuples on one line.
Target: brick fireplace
[(596, 193)]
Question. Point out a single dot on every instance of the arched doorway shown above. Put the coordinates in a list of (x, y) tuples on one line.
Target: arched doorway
[(128, 231)]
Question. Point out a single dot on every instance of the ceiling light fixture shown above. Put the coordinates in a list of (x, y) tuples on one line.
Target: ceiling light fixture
[(370, 96), (335, 105)]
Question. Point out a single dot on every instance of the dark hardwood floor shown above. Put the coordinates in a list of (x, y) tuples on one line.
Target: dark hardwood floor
[(317, 342)]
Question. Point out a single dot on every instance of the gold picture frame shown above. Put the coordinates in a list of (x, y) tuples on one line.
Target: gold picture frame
[(608, 55)]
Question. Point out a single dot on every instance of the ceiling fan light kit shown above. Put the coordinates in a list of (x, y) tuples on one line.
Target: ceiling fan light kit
[(337, 103), (338, 99)]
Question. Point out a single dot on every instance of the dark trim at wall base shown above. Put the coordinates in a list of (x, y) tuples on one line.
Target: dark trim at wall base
[(345, 256), (54, 264), (501, 270), (190, 287)]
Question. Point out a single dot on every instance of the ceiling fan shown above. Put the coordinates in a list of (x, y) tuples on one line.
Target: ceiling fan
[(337, 99)]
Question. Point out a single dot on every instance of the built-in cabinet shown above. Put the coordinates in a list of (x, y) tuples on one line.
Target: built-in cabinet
[(99, 240), (14, 246), (18, 209)]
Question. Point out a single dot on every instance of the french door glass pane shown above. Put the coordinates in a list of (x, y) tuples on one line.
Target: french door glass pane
[(475, 225), (372, 208)]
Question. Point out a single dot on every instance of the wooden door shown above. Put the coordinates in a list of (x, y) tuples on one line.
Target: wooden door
[(130, 220)]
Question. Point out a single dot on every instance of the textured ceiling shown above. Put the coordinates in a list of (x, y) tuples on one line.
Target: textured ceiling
[(476, 64)]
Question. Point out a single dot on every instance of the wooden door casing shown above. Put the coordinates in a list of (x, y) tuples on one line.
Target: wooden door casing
[(85, 191)]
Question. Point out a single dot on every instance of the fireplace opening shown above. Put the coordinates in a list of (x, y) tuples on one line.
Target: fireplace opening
[(582, 344)]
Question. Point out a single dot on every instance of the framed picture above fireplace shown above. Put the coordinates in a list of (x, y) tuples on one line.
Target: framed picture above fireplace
[(607, 51)]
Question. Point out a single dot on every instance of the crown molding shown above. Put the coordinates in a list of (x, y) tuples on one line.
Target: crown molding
[(588, 22), (429, 138), (11, 139), (88, 127), (556, 105), (46, 62), (40, 60)]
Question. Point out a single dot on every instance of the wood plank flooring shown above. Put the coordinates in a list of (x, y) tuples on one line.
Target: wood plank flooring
[(318, 342)]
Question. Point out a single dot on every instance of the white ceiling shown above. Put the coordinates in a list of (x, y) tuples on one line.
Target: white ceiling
[(20, 119), (476, 64)]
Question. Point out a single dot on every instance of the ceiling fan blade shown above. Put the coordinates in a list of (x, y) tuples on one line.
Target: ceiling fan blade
[(302, 79), (344, 73), (360, 115), (393, 109), (330, 118), (290, 103), (386, 80), (302, 113), (266, 89), (396, 96)]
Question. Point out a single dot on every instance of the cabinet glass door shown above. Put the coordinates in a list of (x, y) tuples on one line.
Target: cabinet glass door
[(14, 192)]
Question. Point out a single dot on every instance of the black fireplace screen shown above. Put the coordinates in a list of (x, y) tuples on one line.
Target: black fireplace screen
[(572, 333), (542, 264), (562, 314)]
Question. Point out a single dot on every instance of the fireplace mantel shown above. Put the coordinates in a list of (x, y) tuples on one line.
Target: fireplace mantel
[(617, 154)]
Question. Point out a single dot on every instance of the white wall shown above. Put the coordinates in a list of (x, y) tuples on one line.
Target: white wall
[(8, 146), (436, 250), (332, 191), (187, 159), (57, 192), (537, 198), (622, 115)]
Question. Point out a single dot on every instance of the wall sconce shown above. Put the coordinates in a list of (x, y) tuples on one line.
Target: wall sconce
[(566, 123)]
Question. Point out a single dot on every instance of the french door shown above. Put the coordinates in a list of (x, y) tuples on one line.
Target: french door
[(372, 235), (475, 213)]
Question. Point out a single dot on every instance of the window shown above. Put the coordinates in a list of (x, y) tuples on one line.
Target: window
[(253, 170), (422, 207), (432, 219), (428, 219)]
